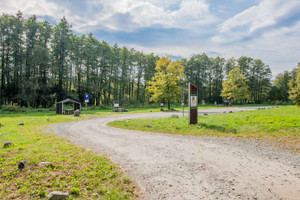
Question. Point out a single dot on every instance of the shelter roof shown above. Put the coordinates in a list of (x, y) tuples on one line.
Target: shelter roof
[(67, 101)]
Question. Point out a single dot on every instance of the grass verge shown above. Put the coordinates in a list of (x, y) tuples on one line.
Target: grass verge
[(82, 173), (279, 125)]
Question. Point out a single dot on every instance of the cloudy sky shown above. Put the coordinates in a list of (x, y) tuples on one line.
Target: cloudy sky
[(264, 29)]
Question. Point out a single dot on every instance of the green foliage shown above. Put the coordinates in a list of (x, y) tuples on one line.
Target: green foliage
[(13, 108), (41, 64), (279, 91), (294, 85), (235, 88), (164, 84), (74, 191), (208, 73)]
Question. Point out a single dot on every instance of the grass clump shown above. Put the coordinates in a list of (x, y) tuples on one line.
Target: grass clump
[(72, 169), (279, 125)]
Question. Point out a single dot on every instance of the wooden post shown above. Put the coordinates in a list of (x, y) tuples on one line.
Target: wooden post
[(193, 104)]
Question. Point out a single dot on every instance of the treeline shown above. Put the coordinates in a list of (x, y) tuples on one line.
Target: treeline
[(41, 64), (208, 74)]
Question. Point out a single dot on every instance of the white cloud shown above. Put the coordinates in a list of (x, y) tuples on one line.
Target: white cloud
[(266, 14), (121, 15), (279, 48), (260, 32), (137, 14), (30, 7), (276, 44)]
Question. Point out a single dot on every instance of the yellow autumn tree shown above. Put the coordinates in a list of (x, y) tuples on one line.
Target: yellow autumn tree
[(164, 83), (294, 85), (235, 88)]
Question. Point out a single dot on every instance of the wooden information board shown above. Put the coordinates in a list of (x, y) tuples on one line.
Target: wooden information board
[(193, 104)]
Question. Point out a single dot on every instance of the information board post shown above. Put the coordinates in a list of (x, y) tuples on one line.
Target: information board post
[(193, 104), (182, 100), (86, 99)]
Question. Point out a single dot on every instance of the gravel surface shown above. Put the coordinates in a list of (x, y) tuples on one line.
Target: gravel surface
[(174, 167)]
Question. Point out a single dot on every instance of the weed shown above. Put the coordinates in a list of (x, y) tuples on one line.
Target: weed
[(74, 191)]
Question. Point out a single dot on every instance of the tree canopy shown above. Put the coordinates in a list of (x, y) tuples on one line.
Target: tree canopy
[(164, 85), (41, 64), (295, 88), (235, 88)]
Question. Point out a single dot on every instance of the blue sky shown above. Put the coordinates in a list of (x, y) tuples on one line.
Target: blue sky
[(264, 29)]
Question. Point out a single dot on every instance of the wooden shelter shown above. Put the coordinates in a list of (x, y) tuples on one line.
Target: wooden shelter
[(60, 106)]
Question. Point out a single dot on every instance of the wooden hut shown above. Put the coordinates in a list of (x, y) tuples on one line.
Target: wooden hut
[(60, 106)]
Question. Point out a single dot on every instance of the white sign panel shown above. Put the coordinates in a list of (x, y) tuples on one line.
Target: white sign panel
[(116, 105), (194, 101)]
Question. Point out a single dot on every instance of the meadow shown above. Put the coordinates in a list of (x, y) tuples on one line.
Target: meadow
[(86, 175), (82, 173), (279, 126)]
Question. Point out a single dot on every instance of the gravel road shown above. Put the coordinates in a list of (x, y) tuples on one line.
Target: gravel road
[(187, 167)]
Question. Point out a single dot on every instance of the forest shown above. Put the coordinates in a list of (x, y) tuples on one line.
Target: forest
[(41, 64)]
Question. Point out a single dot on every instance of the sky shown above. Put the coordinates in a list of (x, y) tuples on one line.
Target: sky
[(261, 29)]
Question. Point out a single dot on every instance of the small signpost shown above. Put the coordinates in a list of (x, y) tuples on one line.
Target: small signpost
[(182, 102), (161, 106), (86, 99), (116, 104), (193, 104)]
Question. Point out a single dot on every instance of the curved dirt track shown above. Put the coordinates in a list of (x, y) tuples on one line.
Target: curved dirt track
[(187, 167)]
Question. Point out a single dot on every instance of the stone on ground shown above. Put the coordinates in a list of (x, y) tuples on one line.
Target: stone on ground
[(44, 164), (56, 195), (22, 164), (7, 144), (77, 113)]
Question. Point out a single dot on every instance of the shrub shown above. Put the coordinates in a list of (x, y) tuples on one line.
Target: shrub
[(74, 191), (23, 109), (10, 108)]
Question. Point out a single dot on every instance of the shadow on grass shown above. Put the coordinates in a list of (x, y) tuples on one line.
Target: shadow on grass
[(218, 128)]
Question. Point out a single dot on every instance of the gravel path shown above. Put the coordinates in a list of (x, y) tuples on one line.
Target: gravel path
[(187, 167)]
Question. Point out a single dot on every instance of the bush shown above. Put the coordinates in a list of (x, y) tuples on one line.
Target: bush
[(13, 108), (10, 108), (74, 191), (23, 109)]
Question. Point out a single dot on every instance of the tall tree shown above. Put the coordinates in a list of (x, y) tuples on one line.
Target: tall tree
[(281, 83), (165, 83), (60, 49), (235, 88), (295, 88)]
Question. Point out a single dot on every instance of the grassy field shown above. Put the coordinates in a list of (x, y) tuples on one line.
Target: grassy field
[(86, 175), (82, 173), (279, 125)]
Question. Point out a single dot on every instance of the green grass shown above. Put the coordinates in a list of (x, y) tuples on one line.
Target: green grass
[(84, 174), (279, 125)]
